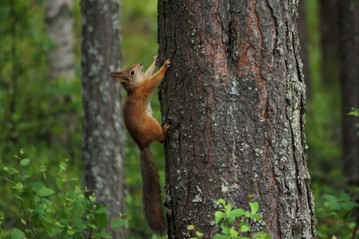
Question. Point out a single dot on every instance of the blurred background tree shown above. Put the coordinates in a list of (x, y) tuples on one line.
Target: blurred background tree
[(103, 131), (32, 118)]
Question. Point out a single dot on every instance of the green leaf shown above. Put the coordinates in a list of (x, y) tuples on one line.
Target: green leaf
[(219, 236), (348, 206), (225, 229), (100, 220), (92, 198), (261, 235), (37, 186), (228, 208), (25, 162), (16, 234), (54, 231), (18, 187), (254, 207), (44, 192), (344, 197), (219, 215), (354, 112), (70, 232), (190, 227), (25, 176), (331, 202), (236, 213), (199, 234), (233, 232), (257, 217), (117, 223), (13, 171), (102, 209), (222, 201), (105, 235), (250, 196), (244, 227), (59, 183)]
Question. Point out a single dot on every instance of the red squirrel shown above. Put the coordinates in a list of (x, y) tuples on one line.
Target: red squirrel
[(144, 129)]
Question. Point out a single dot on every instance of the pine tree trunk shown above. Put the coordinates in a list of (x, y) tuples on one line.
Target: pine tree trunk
[(103, 131), (349, 79), (235, 97)]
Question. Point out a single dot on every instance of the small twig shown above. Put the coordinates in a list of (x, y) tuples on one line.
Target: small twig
[(28, 222), (355, 230)]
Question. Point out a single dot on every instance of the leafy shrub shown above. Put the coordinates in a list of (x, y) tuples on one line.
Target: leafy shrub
[(335, 217), (61, 212), (234, 222)]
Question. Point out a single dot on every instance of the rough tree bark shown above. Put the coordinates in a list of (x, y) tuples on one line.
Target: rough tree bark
[(59, 24), (349, 79), (103, 131), (235, 97)]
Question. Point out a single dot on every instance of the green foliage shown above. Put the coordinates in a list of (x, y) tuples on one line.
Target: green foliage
[(31, 116), (234, 223), (60, 212), (355, 113), (140, 33), (335, 217)]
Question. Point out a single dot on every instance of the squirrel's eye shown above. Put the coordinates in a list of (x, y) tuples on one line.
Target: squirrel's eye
[(132, 73)]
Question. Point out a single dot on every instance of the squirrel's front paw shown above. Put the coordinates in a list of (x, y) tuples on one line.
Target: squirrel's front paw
[(165, 128), (167, 63)]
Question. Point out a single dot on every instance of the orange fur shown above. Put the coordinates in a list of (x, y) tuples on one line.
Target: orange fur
[(144, 129)]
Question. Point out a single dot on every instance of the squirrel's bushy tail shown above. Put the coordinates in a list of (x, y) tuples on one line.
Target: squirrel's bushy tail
[(151, 192)]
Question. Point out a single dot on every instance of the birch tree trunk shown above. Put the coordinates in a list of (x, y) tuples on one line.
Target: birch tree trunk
[(60, 61), (103, 131), (59, 22), (235, 97)]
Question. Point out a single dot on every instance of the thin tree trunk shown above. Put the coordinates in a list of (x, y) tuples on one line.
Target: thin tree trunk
[(59, 22), (103, 131), (349, 79), (235, 98), (329, 44)]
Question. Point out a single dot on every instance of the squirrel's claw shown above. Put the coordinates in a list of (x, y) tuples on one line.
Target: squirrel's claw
[(167, 63)]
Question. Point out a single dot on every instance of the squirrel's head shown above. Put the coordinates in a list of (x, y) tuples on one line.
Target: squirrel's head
[(129, 77)]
